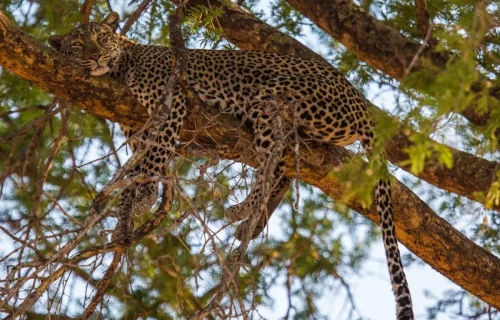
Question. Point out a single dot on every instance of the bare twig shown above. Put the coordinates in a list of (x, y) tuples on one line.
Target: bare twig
[(135, 16), (420, 51), (50, 161)]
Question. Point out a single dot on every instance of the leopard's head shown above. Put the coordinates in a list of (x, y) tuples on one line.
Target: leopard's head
[(95, 46)]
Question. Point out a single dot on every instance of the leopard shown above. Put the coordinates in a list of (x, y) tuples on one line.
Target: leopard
[(326, 106)]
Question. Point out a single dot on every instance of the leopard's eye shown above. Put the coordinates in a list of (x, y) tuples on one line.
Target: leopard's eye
[(77, 43), (101, 36)]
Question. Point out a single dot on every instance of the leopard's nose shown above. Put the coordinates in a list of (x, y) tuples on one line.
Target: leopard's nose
[(95, 57)]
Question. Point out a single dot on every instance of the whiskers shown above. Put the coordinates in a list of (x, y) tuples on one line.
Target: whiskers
[(83, 66)]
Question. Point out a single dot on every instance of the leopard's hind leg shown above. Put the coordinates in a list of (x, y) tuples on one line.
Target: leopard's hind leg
[(271, 184)]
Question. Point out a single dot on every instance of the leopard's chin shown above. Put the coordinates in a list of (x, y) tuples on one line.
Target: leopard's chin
[(99, 70)]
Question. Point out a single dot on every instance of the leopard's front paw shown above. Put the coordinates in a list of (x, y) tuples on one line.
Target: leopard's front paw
[(124, 230), (145, 197)]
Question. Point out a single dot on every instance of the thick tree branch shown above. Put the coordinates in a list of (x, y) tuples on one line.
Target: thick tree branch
[(378, 44), (421, 230), (422, 16), (381, 46), (469, 177), (250, 33)]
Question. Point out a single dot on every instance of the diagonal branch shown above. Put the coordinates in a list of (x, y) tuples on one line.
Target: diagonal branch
[(86, 8), (381, 46), (135, 16), (419, 228), (103, 285)]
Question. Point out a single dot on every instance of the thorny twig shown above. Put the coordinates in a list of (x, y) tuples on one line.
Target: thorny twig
[(103, 285)]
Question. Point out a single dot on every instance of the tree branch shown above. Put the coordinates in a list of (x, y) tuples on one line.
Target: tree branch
[(135, 16), (421, 230), (41, 316), (422, 16), (86, 8), (381, 46), (103, 285), (249, 33)]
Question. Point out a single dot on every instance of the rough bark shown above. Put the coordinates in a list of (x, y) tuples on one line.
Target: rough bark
[(381, 46), (419, 228), (86, 8), (250, 33), (422, 11), (469, 177)]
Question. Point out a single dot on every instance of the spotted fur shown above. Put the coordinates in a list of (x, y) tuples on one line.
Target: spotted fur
[(242, 83)]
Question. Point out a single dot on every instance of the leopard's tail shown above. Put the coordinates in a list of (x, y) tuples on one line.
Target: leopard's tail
[(398, 278), (404, 307)]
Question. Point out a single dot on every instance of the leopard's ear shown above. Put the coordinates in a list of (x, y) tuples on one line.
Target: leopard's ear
[(111, 21), (55, 41)]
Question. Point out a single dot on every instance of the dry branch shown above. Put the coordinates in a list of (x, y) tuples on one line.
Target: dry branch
[(135, 16), (421, 230), (103, 285)]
